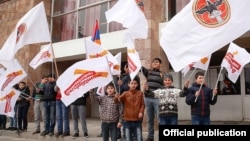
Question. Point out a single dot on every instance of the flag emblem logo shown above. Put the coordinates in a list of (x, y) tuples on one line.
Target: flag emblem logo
[(140, 5), (20, 31), (211, 13)]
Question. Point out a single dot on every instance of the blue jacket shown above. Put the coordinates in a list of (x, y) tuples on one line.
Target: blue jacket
[(202, 105)]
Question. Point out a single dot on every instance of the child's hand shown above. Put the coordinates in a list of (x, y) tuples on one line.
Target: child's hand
[(214, 92), (186, 84), (197, 93), (119, 82), (140, 115), (119, 125)]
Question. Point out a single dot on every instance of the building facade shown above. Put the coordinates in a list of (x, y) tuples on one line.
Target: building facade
[(71, 21)]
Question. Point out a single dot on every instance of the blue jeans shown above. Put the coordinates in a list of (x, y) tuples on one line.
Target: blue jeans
[(152, 111), (50, 109), (171, 120), (133, 127), (199, 120), (109, 128), (13, 120), (62, 117)]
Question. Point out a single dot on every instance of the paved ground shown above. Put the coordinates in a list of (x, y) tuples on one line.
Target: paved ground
[(93, 130)]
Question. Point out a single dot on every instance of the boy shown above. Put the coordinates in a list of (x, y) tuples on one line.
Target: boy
[(154, 81), (200, 97), (133, 110), (109, 113), (168, 94)]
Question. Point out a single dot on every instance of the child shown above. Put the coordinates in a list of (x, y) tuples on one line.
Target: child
[(168, 94), (154, 81), (133, 110), (109, 113), (200, 97)]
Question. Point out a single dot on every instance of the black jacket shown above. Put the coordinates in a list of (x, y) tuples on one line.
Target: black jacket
[(201, 106)]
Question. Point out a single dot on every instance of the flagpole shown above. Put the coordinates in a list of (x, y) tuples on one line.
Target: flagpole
[(201, 85), (217, 82), (54, 61)]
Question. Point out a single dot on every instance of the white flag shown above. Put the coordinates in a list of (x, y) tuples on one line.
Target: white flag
[(100, 90), (203, 27), (45, 55), (13, 75), (185, 70), (83, 76), (94, 50), (31, 28), (130, 14), (235, 60), (117, 67), (203, 63), (8, 100)]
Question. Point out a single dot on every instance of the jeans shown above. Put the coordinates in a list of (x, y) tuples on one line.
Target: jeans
[(133, 127), (38, 110), (152, 110), (109, 128), (50, 109), (199, 120), (22, 117), (62, 117), (79, 110), (13, 120), (171, 120)]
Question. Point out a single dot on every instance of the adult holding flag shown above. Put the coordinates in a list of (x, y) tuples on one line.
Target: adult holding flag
[(203, 27)]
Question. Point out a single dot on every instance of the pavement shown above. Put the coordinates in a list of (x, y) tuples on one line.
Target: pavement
[(93, 125)]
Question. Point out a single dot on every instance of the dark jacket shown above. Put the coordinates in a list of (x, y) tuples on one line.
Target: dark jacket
[(125, 78), (81, 100), (49, 92), (25, 92), (154, 80), (201, 106)]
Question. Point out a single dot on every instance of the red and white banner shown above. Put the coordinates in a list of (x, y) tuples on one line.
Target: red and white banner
[(45, 55), (235, 60), (83, 76), (8, 100)]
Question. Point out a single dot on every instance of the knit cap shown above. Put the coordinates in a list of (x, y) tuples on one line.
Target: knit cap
[(168, 75)]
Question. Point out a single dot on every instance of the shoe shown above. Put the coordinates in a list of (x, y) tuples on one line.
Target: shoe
[(24, 130), (51, 133), (99, 135), (76, 135), (58, 134), (86, 135), (13, 129), (65, 134), (44, 133), (18, 131), (118, 136), (149, 139), (9, 128), (35, 132)]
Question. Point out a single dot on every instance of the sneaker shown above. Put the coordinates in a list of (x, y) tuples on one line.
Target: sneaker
[(51, 133), (58, 134), (35, 132), (99, 135), (86, 135), (9, 128), (18, 131), (13, 129), (65, 134), (76, 135), (149, 139), (44, 133)]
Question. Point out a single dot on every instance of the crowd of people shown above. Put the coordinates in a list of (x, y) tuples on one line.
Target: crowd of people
[(122, 107)]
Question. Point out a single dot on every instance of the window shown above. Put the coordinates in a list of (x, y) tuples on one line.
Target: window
[(247, 80), (74, 19)]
